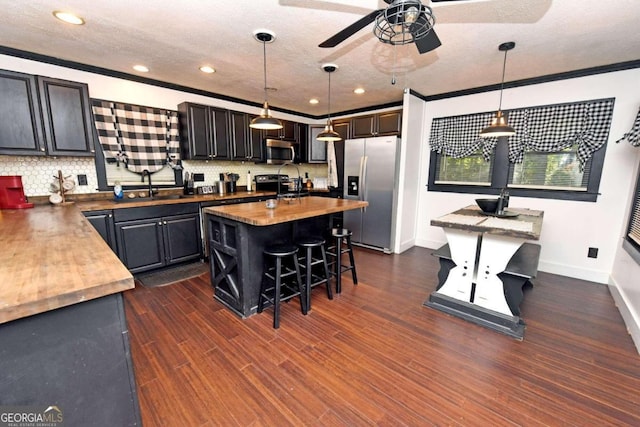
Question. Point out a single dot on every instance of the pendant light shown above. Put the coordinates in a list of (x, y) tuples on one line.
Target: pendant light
[(499, 125), (328, 134), (264, 120)]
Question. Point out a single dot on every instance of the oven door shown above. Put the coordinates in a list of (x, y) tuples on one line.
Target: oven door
[(278, 152)]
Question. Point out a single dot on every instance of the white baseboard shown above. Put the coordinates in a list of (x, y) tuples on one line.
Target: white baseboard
[(633, 324), (598, 276)]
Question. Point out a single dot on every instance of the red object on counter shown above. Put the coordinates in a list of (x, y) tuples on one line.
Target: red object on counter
[(12, 193)]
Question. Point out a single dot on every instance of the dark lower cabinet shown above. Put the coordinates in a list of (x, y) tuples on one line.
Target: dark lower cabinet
[(102, 221), (154, 237), (76, 359)]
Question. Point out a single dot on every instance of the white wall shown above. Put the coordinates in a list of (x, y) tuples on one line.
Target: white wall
[(624, 283), (569, 227), (409, 186)]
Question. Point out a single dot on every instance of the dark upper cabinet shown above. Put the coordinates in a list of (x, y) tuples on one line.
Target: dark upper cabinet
[(343, 127), (67, 117), (204, 132), (41, 115), (246, 142), (289, 131), (316, 151), (20, 124), (389, 123)]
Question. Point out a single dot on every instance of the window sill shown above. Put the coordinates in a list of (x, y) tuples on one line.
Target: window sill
[(631, 250)]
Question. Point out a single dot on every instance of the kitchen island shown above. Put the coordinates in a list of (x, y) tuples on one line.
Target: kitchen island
[(237, 235), (485, 264), (62, 323)]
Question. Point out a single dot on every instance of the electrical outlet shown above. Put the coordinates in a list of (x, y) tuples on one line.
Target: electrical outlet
[(593, 253), (82, 180)]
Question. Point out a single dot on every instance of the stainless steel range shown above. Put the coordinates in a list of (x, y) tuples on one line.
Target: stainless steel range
[(269, 182)]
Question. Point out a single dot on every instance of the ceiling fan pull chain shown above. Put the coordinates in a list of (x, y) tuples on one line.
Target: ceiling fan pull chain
[(393, 74)]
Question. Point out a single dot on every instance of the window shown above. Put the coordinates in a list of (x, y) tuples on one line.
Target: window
[(553, 171), (543, 175), (557, 152), (632, 239), (467, 170)]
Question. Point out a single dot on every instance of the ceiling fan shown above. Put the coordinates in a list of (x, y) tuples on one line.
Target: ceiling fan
[(402, 22)]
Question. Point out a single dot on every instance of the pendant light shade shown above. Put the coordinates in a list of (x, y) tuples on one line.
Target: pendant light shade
[(328, 134), (264, 120), (499, 125)]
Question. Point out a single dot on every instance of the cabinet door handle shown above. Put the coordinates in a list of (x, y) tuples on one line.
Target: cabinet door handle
[(110, 215), (160, 223), (42, 149), (165, 223)]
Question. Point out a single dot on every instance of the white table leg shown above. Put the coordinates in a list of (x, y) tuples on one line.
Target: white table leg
[(495, 253), (463, 246)]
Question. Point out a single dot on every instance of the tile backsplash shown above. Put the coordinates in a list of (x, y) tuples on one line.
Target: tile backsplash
[(39, 172)]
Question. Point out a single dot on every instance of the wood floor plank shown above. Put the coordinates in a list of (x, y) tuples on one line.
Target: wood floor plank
[(374, 355)]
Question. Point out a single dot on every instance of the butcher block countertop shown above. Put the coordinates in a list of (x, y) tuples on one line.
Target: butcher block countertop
[(110, 203), (527, 224), (51, 257), (257, 213)]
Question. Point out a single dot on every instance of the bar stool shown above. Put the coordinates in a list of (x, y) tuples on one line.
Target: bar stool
[(342, 236), (276, 286), (308, 244)]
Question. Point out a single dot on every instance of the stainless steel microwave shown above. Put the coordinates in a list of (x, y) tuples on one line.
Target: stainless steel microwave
[(278, 152)]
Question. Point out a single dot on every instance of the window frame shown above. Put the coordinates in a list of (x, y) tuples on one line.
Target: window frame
[(628, 244), (500, 178)]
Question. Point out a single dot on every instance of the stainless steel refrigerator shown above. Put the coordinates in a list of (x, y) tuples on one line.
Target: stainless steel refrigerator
[(370, 170)]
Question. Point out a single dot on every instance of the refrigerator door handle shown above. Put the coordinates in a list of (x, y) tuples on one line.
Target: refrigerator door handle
[(363, 179)]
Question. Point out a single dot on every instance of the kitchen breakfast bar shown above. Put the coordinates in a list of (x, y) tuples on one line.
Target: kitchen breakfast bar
[(237, 235)]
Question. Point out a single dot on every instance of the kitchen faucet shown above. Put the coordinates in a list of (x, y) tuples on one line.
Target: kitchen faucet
[(147, 173)]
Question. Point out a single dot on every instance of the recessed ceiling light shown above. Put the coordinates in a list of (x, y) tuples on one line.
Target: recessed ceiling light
[(141, 68), (358, 91), (313, 101), (69, 18), (207, 69)]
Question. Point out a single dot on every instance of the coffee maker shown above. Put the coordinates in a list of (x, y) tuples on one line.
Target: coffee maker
[(12, 193)]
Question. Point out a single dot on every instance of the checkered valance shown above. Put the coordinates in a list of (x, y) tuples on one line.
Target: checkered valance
[(633, 136), (547, 129), (140, 137)]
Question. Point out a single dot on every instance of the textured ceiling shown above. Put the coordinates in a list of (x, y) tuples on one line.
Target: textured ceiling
[(173, 38)]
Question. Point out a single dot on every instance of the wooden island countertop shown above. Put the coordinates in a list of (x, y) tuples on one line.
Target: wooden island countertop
[(257, 213), (51, 257)]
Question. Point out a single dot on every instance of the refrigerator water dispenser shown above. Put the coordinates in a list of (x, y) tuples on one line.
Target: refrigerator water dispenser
[(352, 185)]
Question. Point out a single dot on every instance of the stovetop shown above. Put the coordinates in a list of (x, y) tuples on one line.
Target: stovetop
[(270, 178)]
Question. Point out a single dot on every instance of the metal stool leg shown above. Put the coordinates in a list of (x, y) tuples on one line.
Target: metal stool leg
[(326, 272), (338, 265), (353, 264), (276, 296), (301, 287)]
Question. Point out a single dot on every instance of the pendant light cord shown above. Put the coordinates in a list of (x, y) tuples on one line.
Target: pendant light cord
[(329, 101), (504, 66), (264, 63)]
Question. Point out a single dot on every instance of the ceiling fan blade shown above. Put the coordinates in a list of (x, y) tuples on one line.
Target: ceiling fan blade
[(350, 30), (428, 42)]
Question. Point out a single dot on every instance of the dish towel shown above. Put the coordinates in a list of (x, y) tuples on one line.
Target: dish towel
[(332, 167)]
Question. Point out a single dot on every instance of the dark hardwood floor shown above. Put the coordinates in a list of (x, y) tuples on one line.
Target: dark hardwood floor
[(376, 356)]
